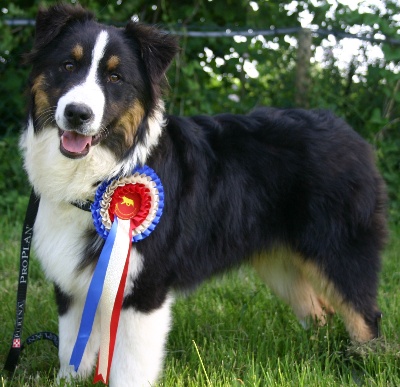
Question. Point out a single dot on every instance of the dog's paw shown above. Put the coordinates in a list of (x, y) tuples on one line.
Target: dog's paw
[(67, 373)]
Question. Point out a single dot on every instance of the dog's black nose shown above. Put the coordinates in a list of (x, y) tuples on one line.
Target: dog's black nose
[(78, 114)]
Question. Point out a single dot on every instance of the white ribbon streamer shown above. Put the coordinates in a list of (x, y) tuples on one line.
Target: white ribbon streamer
[(112, 280)]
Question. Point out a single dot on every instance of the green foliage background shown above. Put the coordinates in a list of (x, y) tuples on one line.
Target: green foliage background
[(369, 100)]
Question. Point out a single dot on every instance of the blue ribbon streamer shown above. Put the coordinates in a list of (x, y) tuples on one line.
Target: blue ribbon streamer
[(93, 298)]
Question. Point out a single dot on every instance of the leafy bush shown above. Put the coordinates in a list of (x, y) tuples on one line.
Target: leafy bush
[(387, 143), (14, 186), (209, 74)]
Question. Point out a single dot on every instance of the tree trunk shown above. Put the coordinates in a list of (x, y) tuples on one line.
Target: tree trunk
[(303, 69)]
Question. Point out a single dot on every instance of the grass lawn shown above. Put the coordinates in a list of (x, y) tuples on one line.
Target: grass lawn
[(231, 332)]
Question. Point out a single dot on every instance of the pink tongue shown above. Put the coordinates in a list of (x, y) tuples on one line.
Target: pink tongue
[(75, 142)]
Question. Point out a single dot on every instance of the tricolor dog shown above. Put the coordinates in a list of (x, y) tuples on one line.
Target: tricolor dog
[(294, 193)]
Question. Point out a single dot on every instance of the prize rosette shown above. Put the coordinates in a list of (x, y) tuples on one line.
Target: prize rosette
[(139, 197), (125, 210)]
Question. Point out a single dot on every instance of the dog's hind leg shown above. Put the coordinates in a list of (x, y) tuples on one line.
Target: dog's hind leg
[(140, 346), (281, 271), (352, 290)]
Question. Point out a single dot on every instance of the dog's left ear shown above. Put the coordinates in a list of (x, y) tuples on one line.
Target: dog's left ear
[(157, 47)]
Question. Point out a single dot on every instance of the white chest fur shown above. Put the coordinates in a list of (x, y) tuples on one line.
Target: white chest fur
[(59, 242)]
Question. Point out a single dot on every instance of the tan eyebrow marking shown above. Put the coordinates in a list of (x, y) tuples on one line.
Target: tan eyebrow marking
[(77, 52), (113, 62)]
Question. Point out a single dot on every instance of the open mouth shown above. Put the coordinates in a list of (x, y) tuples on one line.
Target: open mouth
[(75, 145)]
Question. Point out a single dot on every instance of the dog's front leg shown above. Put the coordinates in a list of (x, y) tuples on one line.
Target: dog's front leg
[(69, 323), (140, 346)]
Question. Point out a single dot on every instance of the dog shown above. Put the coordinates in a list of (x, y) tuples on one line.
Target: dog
[(293, 192)]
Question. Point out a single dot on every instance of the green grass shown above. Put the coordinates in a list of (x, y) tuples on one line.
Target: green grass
[(230, 332)]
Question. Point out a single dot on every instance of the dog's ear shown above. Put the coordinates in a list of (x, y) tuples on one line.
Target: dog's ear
[(51, 21), (157, 48)]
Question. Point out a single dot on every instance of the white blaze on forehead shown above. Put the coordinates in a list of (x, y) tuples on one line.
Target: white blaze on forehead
[(89, 92)]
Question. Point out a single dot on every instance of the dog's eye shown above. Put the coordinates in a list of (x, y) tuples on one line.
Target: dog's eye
[(69, 66), (113, 78)]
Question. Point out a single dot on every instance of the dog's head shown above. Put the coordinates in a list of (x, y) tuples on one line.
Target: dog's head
[(96, 85)]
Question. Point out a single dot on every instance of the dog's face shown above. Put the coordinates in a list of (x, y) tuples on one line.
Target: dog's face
[(95, 84)]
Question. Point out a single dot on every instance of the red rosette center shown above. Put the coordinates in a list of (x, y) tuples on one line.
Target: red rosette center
[(131, 201)]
